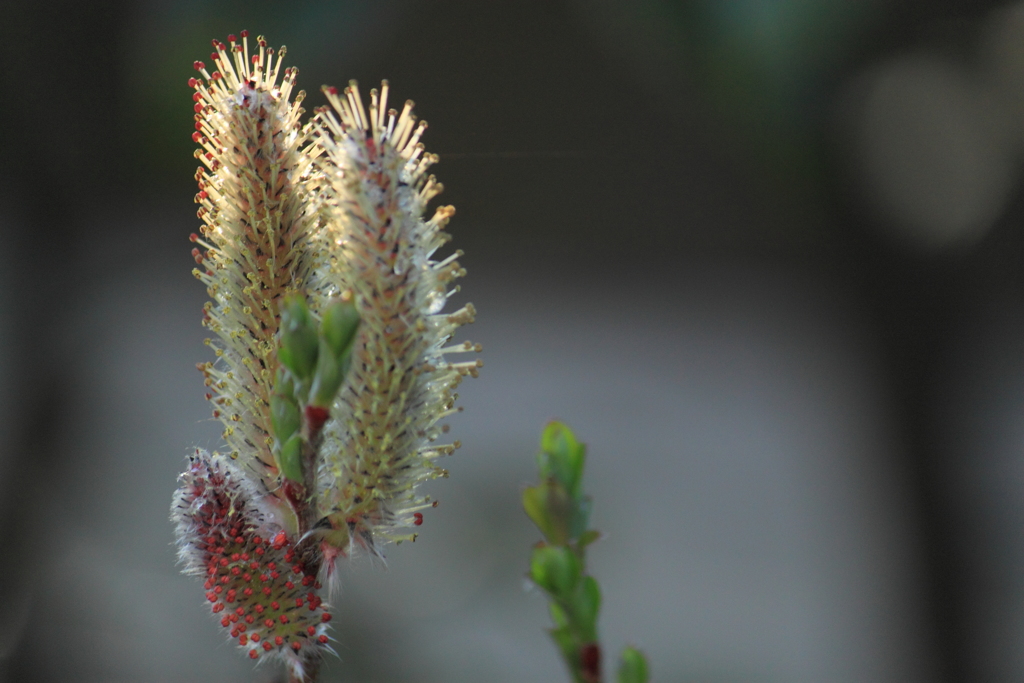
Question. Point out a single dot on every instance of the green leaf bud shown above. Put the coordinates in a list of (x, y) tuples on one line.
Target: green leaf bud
[(566, 642), (633, 666), (289, 458), (284, 383), (585, 604), (285, 418), (328, 378), (562, 457), (588, 537), (339, 326), (558, 614), (555, 569), (299, 344), (580, 516), (549, 506)]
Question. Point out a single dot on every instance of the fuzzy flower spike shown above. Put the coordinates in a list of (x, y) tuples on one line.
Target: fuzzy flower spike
[(331, 377), (235, 526), (382, 442), (255, 586), (258, 235)]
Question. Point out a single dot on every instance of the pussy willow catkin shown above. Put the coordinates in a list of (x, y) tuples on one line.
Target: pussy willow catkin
[(327, 209)]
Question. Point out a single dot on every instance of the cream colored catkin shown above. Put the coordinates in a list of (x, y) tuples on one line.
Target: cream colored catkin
[(259, 233), (382, 440)]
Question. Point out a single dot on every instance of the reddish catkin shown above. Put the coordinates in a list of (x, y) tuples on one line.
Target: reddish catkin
[(254, 585)]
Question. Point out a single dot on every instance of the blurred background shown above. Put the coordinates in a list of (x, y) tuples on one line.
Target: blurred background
[(766, 258)]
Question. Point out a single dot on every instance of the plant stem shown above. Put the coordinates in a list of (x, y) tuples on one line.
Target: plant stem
[(306, 505), (310, 670)]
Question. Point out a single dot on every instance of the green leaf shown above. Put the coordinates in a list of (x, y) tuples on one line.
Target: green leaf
[(633, 666), (286, 358), (328, 378), (290, 458), (567, 643), (339, 326), (580, 517), (562, 457), (555, 569), (585, 604), (588, 537), (549, 506), (344, 361), (558, 615), (299, 343), (284, 383), (536, 510), (285, 418)]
